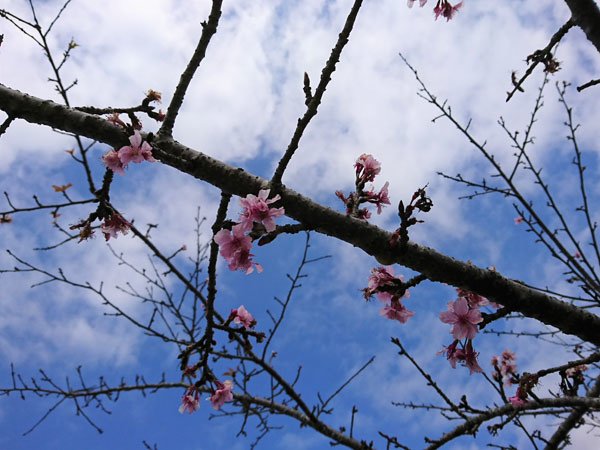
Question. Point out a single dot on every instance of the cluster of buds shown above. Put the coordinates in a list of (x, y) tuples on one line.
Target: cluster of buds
[(505, 368), (418, 202), (390, 290), (572, 379), (464, 316), (145, 107), (367, 168), (235, 243), (551, 64), (442, 8), (526, 384)]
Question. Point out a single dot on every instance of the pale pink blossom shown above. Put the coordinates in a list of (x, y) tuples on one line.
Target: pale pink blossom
[(137, 152), (464, 320), (367, 167), (222, 394), (396, 311), (243, 317), (114, 224), (235, 247), (519, 220), (256, 209), (190, 402), (412, 2), (113, 162)]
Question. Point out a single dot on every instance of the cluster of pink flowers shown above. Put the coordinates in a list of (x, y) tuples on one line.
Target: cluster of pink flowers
[(367, 168), (256, 209), (137, 152), (235, 244), (390, 290), (221, 394), (505, 367), (242, 316), (113, 224), (190, 402), (464, 316), (442, 8)]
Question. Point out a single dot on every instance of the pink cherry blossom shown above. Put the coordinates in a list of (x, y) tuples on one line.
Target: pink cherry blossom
[(231, 241), (379, 199), (222, 394), (470, 359), (474, 300), (445, 9), (243, 317), (466, 356), (382, 278), (453, 354), (137, 152), (256, 209), (519, 220), (367, 167), (235, 247), (396, 311), (190, 402), (464, 320), (114, 224), (113, 162)]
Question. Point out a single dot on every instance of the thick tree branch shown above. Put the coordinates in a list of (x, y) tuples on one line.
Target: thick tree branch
[(373, 240), (586, 15)]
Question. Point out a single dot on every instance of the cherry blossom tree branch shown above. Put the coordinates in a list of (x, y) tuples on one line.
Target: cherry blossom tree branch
[(209, 28), (586, 14), (561, 433), (471, 425), (4, 125), (539, 55), (313, 101), (588, 84), (371, 239)]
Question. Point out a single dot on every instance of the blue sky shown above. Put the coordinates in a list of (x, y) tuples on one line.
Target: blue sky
[(242, 108)]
